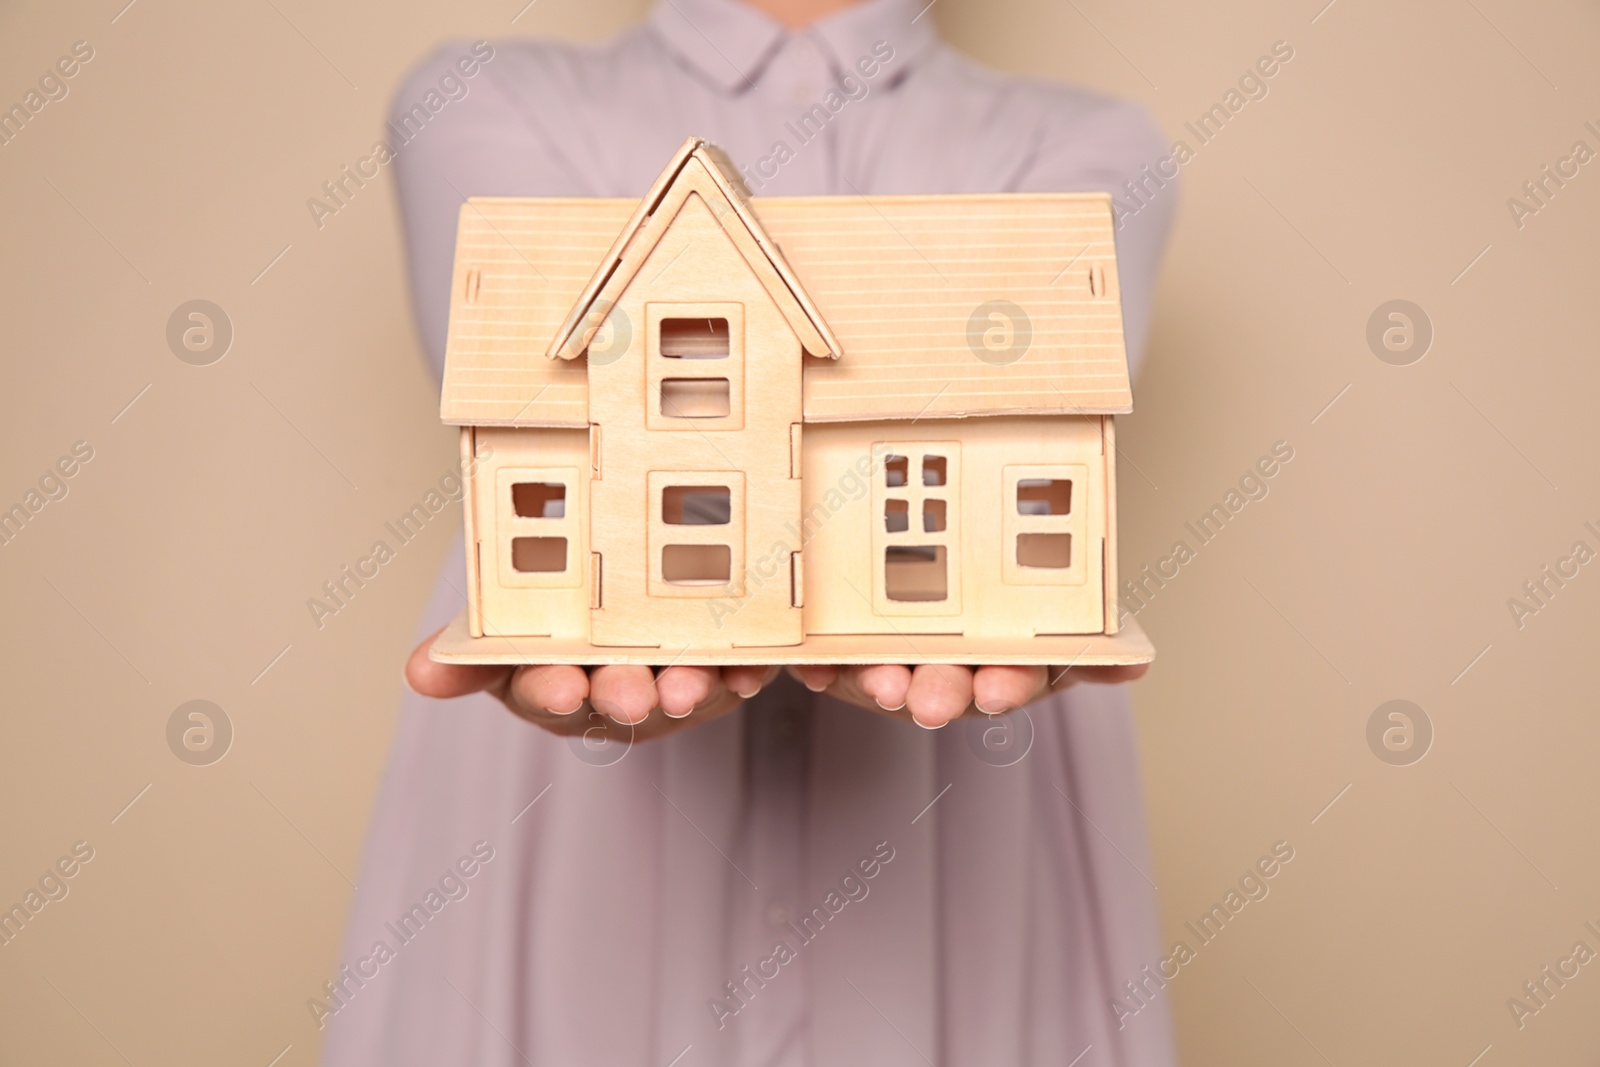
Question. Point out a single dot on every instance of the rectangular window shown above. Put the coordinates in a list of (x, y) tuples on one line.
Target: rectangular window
[(916, 570), (539, 555), (695, 533), (1052, 550), (696, 505), (1043, 525), (694, 338), (694, 366), (1044, 496), (536, 533), (696, 564), (539, 500), (695, 398), (915, 573)]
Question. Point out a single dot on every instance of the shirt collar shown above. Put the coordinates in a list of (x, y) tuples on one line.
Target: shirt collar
[(728, 43)]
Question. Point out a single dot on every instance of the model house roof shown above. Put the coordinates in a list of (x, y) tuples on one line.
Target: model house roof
[(931, 306), (697, 169)]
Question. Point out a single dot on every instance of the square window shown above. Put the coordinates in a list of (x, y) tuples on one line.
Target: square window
[(696, 398), (1044, 496), (696, 505), (934, 470), (696, 564), (539, 555), (915, 573), (694, 338), (1052, 551), (933, 516), (896, 516), (896, 471), (539, 500)]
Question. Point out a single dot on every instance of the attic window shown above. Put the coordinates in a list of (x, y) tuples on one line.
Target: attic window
[(696, 398), (700, 338)]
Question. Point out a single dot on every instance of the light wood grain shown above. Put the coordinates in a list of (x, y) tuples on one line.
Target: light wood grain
[(1130, 646)]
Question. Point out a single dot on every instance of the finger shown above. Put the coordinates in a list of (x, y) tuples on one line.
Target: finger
[(998, 689), (1061, 677), (939, 692), (815, 676), (884, 684), (552, 690), (679, 689), (445, 680), (747, 679), (625, 692)]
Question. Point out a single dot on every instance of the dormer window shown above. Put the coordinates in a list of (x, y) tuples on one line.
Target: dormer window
[(694, 366)]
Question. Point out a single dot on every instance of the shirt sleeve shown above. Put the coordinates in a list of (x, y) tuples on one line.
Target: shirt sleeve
[(456, 135), (1097, 144)]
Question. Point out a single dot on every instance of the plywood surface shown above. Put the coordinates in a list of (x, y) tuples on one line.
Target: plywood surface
[(897, 279), (456, 645)]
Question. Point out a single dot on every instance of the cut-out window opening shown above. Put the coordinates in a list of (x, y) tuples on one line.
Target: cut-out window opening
[(896, 516), (1044, 496), (696, 398), (933, 516), (539, 500), (915, 573), (696, 564), (696, 505), (539, 555), (698, 338), (1045, 550), (934, 470), (896, 471)]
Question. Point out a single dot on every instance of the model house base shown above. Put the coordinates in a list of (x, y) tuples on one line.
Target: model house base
[(1127, 646)]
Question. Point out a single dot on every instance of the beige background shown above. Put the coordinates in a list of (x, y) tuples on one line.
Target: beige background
[(1378, 568)]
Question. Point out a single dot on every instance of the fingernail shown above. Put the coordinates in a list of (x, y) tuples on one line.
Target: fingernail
[(746, 696), (685, 715), (998, 709), (570, 710), (610, 711), (925, 726), (886, 707), (816, 688)]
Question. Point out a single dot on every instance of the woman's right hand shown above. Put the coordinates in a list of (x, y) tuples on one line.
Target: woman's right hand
[(633, 702)]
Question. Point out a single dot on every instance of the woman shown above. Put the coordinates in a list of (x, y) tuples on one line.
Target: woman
[(762, 875)]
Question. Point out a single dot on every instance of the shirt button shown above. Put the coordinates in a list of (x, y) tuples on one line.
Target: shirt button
[(779, 914)]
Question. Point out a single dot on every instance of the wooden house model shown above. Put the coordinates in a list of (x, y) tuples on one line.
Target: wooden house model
[(706, 428)]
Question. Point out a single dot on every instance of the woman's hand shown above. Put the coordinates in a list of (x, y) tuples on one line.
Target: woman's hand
[(933, 694), (641, 703), (647, 705)]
